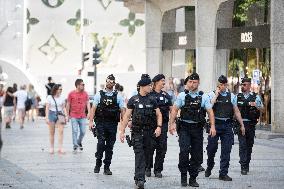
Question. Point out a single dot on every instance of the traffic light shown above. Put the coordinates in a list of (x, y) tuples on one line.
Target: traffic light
[(96, 55), (85, 57)]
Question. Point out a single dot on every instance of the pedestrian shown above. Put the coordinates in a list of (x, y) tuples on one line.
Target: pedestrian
[(55, 106), (170, 88), (8, 103), (49, 85), (250, 105), (77, 102), (107, 109), (145, 113), (225, 108), (2, 92), (20, 98), (15, 89), (193, 105), (32, 96), (164, 102)]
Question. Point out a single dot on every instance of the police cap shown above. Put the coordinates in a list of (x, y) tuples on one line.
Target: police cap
[(246, 79), (111, 77), (158, 77), (223, 79), (144, 82), (193, 76), (145, 76)]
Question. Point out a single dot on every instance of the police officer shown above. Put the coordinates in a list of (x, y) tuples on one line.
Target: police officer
[(160, 144), (144, 110), (250, 106), (192, 104), (224, 107), (107, 108)]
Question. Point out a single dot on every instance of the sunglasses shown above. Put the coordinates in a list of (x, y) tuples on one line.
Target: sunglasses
[(82, 84), (110, 81)]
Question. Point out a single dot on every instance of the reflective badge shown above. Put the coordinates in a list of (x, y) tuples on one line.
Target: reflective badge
[(161, 98), (140, 106)]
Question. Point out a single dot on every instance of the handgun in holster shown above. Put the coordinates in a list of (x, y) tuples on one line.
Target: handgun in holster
[(178, 124), (236, 127), (207, 126), (94, 131), (129, 140)]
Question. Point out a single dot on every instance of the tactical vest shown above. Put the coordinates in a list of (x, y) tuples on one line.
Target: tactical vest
[(108, 109), (144, 114), (223, 107), (248, 112), (192, 109), (163, 105)]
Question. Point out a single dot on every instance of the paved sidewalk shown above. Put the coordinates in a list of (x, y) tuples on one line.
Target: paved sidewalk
[(26, 164)]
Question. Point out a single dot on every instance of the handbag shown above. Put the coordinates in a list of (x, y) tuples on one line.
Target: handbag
[(60, 116)]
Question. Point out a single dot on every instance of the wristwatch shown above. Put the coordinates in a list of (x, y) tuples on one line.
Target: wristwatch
[(159, 126)]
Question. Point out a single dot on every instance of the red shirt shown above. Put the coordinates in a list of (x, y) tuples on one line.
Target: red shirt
[(78, 103)]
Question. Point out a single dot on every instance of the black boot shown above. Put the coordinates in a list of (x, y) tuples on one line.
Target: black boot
[(139, 184), (244, 170), (158, 174), (107, 170), (183, 179), (207, 172), (200, 169), (192, 182), (98, 166), (225, 178), (148, 172), (96, 169)]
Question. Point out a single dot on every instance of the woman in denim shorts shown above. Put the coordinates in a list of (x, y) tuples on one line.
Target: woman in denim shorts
[(51, 116)]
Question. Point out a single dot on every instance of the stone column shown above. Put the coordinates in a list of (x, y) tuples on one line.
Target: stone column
[(277, 66), (168, 26), (153, 39), (223, 20), (205, 14)]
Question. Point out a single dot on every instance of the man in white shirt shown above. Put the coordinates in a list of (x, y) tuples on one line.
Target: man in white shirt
[(21, 96)]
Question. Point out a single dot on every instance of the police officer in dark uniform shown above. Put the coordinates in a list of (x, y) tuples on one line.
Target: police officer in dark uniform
[(224, 107), (160, 144), (192, 104), (107, 109), (144, 110), (250, 105)]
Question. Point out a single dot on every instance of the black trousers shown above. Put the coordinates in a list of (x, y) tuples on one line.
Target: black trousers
[(160, 146), (190, 142), (225, 133), (106, 139), (143, 146), (246, 143)]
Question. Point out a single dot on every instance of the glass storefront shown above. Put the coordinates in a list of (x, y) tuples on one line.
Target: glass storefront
[(253, 63)]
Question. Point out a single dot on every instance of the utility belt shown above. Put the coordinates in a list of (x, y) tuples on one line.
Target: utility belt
[(183, 124), (220, 121), (140, 129)]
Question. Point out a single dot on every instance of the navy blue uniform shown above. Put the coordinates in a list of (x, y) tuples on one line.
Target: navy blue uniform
[(107, 116), (192, 105), (223, 111), (143, 117), (250, 117), (160, 143)]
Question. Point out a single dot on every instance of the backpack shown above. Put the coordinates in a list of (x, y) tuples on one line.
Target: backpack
[(28, 104)]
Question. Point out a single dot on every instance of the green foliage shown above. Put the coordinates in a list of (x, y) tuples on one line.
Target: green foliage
[(242, 7)]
